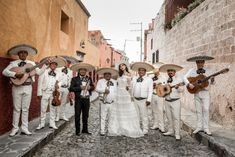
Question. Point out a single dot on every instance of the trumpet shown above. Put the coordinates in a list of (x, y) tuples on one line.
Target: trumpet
[(106, 94), (86, 88)]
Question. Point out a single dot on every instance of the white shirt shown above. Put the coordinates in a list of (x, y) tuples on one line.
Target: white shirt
[(65, 78), (102, 85), (142, 89), (175, 94), (161, 80)]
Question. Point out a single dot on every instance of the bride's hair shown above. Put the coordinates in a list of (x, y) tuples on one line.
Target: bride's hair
[(120, 70)]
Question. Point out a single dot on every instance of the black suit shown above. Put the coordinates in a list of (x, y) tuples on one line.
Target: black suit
[(82, 105)]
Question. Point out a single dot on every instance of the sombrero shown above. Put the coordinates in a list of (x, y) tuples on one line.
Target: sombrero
[(22, 47), (199, 57), (122, 62), (135, 66), (102, 71), (71, 59), (61, 62), (86, 66), (166, 67)]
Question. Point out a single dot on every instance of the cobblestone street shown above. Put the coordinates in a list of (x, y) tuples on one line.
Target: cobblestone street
[(66, 144)]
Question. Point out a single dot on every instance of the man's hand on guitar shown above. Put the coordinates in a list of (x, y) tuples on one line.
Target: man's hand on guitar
[(19, 76), (191, 86)]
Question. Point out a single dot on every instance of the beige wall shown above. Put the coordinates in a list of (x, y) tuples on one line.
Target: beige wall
[(209, 29), (37, 22), (93, 54)]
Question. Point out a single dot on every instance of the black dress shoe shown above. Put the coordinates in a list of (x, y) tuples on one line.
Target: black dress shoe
[(78, 134), (86, 132)]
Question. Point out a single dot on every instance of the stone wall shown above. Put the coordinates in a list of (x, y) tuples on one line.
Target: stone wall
[(209, 29)]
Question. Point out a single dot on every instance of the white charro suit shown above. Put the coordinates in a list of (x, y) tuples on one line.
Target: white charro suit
[(173, 106), (142, 92), (65, 80), (157, 106), (46, 86), (109, 100), (21, 94), (202, 100)]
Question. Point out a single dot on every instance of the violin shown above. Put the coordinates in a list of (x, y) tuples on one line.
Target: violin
[(56, 95)]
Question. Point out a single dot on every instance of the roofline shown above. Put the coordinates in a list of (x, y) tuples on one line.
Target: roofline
[(83, 7)]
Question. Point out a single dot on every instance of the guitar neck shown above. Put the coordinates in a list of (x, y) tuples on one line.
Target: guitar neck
[(34, 67), (178, 84), (213, 75)]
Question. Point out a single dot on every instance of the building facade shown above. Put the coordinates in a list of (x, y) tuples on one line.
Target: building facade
[(204, 28), (53, 27)]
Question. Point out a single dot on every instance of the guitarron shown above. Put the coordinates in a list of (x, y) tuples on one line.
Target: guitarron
[(163, 90)]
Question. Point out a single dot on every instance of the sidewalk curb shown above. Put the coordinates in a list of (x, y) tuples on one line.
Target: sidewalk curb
[(32, 150), (209, 141)]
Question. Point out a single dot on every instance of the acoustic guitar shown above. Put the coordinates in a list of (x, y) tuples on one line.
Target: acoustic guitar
[(164, 90), (201, 81), (28, 70)]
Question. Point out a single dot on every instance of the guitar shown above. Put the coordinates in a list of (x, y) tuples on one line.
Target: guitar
[(28, 70), (201, 81), (164, 90)]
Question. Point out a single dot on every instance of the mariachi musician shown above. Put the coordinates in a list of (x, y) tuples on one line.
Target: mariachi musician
[(21, 93), (48, 84), (201, 98), (172, 100), (82, 86)]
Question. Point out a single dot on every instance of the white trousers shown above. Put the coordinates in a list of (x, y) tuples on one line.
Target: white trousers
[(143, 113), (104, 113), (45, 101), (158, 112), (202, 102), (60, 112), (21, 102), (173, 113)]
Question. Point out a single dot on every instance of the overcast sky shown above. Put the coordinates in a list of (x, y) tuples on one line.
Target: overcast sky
[(113, 18)]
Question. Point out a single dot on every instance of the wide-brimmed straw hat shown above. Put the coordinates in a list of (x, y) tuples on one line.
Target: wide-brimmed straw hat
[(137, 65), (200, 57), (61, 62), (102, 71), (86, 66), (166, 67), (22, 47), (71, 59)]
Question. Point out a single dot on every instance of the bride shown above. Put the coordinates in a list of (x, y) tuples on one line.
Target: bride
[(124, 119)]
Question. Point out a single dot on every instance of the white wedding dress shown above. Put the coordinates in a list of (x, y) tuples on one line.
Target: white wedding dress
[(124, 118)]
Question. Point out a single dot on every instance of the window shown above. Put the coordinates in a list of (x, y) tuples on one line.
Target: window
[(153, 57), (157, 56), (151, 44), (64, 23)]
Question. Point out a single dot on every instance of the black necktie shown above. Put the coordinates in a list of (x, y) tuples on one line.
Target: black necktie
[(170, 80), (155, 78), (21, 64), (201, 71), (52, 73), (140, 79), (109, 83), (65, 70)]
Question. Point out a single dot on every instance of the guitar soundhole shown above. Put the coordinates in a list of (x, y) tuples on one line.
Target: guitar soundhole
[(165, 89), (27, 70), (199, 82)]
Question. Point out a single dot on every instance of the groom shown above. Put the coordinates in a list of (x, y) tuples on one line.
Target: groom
[(142, 89)]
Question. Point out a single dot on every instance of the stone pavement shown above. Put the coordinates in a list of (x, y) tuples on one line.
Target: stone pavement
[(222, 141), (67, 144), (23, 145)]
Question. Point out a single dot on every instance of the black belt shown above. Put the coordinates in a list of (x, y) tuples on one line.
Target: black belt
[(171, 100), (27, 83), (140, 98), (84, 97), (64, 86), (108, 102)]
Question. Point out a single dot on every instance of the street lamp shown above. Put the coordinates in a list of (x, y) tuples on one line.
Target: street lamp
[(141, 38)]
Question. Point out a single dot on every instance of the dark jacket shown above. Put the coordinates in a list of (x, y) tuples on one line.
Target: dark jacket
[(76, 83)]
